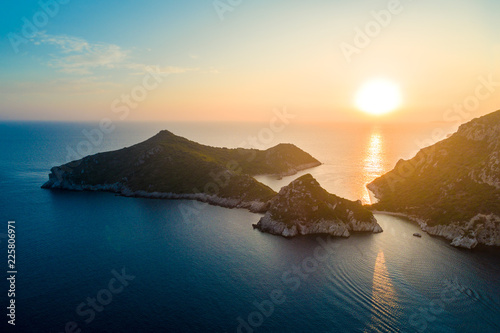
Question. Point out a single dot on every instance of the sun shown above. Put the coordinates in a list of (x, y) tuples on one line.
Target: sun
[(378, 97)]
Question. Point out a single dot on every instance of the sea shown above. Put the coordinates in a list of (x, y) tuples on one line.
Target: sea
[(98, 262)]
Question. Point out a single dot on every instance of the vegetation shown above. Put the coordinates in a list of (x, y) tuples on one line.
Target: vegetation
[(171, 164)]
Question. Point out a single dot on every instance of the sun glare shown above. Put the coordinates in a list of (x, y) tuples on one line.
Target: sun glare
[(378, 97)]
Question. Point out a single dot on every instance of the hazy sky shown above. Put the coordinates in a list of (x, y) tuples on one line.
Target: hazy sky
[(88, 60)]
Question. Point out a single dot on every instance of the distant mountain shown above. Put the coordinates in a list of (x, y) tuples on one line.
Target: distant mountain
[(304, 207), (452, 189), (169, 166)]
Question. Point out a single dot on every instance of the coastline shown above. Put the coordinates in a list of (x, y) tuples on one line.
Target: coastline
[(459, 236), (122, 190)]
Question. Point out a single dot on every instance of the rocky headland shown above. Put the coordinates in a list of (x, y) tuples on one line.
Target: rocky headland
[(304, 207)]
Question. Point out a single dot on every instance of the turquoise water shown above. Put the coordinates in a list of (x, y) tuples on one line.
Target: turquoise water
[(207, 272)]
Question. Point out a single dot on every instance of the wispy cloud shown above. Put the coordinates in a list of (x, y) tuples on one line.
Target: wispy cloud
[(77, 56)]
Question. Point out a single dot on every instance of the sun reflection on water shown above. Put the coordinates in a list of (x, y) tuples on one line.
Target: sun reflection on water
[(373, 162), (384, 298)]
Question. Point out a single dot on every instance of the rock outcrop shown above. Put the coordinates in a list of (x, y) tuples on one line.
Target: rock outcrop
[(304, 207), (452, 188)]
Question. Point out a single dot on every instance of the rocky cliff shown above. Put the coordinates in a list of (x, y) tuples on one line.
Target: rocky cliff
[(452, 188), (304, 207)]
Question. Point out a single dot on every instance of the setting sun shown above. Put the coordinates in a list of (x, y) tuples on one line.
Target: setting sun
[(378, 97)]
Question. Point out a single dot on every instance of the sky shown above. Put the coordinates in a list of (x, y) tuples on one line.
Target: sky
[(238, 60)]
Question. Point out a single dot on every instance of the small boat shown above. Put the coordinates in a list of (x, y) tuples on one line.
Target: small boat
[(417, 234)]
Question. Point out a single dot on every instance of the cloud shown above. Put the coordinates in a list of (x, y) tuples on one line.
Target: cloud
[(78, 56), (68, 44)]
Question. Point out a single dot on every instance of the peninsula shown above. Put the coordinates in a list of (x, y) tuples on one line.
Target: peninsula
[(171, 167), (452, 188)]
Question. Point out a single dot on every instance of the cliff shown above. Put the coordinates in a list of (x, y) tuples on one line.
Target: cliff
[(452, 188), (304, 207)]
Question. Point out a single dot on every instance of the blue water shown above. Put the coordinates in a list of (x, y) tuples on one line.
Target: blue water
[(202, 273)]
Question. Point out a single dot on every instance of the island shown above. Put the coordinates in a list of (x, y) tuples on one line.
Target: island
[(304, 207), (452, 188), (168, 166)]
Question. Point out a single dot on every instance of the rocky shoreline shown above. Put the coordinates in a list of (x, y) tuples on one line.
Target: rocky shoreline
[(328, 227), (482, 229), (119, 188)]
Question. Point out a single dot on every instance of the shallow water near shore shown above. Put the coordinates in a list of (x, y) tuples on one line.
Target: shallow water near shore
[(203, 273)]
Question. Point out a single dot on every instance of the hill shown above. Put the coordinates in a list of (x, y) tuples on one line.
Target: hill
[(452, 188), (169, 166)]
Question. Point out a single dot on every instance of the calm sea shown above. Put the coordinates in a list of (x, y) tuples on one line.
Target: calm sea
[(97, 262)]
